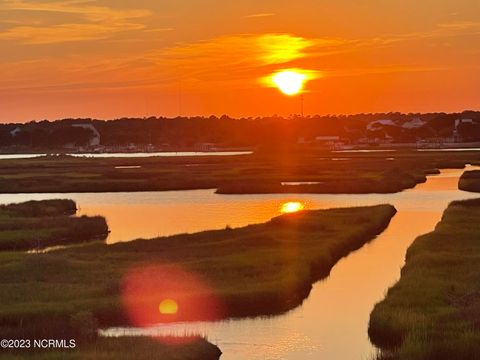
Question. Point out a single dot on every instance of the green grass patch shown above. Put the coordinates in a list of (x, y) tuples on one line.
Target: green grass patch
[(433, 312), (39, 224)]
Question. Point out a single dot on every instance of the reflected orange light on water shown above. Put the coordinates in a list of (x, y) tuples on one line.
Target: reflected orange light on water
[(292, 207)]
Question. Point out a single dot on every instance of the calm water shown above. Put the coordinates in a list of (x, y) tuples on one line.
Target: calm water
[(332, 322), (133, 155)]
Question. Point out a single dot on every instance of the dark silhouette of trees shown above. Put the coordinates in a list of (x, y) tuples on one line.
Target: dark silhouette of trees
[(267, 132)]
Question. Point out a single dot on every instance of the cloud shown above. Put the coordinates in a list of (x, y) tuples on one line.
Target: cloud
[(246, 49), (91, 22), (441, 31), (461, 25), (377, 70), (259, 15)]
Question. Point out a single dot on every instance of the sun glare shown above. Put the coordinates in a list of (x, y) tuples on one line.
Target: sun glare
[(291, 207), (289, 82), (168, 307)]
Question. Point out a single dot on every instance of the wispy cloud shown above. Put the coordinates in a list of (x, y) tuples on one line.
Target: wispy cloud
[(441, 31), (235, 49), (461, 25), (248, 49), (389, 69), (91, 21), (260, 15)]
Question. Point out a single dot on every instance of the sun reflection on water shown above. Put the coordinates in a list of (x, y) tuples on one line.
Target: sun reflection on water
[(168, 307), (292, 207)]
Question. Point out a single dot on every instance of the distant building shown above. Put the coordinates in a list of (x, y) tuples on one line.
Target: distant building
[(379, 124), (15, 131), (462, 121), (458, 122)]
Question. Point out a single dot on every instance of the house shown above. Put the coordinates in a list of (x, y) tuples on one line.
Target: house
[(379, 124), (15, 131), (462, 121), (456, 134)]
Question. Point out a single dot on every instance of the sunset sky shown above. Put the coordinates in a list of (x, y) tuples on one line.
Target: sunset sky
[(112, 58)]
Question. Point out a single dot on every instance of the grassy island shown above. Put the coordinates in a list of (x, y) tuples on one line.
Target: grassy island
[(433, 312), (470, 181), (283, 171), (39, 224)]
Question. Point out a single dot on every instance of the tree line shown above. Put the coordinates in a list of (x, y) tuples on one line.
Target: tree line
[(229, 132)]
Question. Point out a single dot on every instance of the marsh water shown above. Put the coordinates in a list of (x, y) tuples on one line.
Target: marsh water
[(332, 322)]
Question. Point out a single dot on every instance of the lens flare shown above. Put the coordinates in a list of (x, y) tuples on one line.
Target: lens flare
[(292, 207), (155, 294)]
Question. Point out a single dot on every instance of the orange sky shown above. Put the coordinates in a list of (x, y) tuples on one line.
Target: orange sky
[(112, 58)]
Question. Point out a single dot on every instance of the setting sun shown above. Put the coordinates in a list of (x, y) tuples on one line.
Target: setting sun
[(292, 207), (289, 82), (168, 307)]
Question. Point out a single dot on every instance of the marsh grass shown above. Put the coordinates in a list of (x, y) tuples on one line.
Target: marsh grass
[(125, 348), (255, 270), (470, 181), (256, 173), (55, 207), (433, 312), (39, 224)]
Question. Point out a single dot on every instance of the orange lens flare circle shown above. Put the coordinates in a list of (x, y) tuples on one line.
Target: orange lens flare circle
[(161, 294)]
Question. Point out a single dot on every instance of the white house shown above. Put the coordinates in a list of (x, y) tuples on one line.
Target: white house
[(462, 121), (15, 131), (379, 124)]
